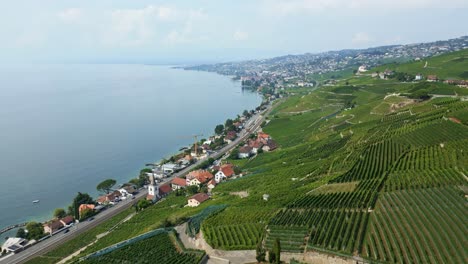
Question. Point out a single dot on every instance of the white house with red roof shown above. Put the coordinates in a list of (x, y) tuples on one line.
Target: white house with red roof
[(225, 171), (178, 183), (198, 177), (211, 185), (197, 199)]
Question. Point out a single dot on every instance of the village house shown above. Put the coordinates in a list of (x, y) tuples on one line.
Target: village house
[(84, 207), (418, 77), (178, 183), (263, 137), (270, 146), (211, 185), (205, 148), (432, 78), (197, 199), (110, 198), (244, 152), (198, 177), (164, 190), (230, 136), (67, 220), (225, 171), (14, 244), (127, 191), (53, 226), (255, 145)]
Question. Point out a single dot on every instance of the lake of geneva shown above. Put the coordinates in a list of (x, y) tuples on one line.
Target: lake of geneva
[(65, 128)]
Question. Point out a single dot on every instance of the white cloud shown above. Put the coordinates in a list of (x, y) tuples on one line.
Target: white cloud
[(361, 38), (293, 7), (135, 27), (186, 34), (240, 35), (70, 14)]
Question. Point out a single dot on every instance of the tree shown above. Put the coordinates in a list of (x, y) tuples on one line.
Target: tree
[(277, 251), (142, 204), (59, 213), (192, 189), (86, 213), (271, 256), (81, 198), (106, 185), (421, 94), (246, 113), (35, 230), (260, 252), (21, 233), (219, 129), (234, 153), (228, 123)]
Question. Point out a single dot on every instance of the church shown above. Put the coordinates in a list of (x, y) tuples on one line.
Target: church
[(153, 190)]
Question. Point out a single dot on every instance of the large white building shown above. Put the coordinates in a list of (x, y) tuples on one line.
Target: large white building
[(14, 244)]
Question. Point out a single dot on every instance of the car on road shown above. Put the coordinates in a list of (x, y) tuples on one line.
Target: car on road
[(91, 219), (66, 231)]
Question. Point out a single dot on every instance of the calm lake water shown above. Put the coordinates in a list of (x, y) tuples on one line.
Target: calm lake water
[(65, 128)]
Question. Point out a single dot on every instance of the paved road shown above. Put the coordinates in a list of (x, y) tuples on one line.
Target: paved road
[(47, 245)]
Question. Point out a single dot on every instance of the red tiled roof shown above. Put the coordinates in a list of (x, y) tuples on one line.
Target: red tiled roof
[(55, 225), (200, 175), (200, 197), (67, 219), (213, 182), (102, 199), (86, 206), (179, 181), (263, 135), (227, 170), (255, 144), (149, 197), (165, 189), (245, 149)]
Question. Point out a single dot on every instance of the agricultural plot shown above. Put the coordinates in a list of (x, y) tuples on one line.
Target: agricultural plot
[(340, 229), (437, 133), (406, 227), (234, 237), (292, 239), (236, 228), (157, 249), (374, 162), (423, 179), (194, 223)]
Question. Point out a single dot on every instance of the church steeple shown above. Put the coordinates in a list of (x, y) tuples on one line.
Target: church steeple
[(153, 189)]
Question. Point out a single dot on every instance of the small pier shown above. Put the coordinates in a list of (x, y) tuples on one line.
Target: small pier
[(8, 228)]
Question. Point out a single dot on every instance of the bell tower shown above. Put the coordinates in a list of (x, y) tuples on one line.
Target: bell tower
[(153, 189)]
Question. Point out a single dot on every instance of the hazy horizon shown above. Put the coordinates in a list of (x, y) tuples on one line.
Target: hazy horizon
[(181, 32)]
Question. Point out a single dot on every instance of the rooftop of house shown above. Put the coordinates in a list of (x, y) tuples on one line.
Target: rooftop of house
[(200, 197), (227, 170), (245, 149), (68, 219), (200, 175), (86, 206), (165, 189), (54, 224), (179, 181)]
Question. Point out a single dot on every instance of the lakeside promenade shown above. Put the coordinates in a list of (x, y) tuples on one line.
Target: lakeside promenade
[(58, 239)]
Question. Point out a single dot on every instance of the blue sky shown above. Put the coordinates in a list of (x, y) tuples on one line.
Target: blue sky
[(209, 31)]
